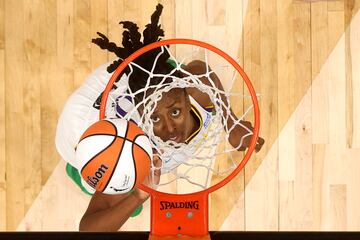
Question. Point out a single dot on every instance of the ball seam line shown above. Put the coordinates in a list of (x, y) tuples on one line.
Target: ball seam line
[(122, 147)]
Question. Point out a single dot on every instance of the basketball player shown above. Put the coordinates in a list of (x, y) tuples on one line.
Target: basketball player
[(177, 117)]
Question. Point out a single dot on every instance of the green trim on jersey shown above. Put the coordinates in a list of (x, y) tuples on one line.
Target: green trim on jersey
[(172, 63), (74, 174)]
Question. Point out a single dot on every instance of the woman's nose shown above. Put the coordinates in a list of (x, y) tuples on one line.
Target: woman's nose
[(169, 126)]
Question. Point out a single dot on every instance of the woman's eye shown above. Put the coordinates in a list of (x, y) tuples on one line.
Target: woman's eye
[(175, 112), (155, 119)]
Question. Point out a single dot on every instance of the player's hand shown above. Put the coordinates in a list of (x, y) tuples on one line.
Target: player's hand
[(246, 141), (154, 176), (153, 179)]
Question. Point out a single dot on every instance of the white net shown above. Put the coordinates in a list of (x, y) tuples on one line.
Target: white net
[(208, 157)]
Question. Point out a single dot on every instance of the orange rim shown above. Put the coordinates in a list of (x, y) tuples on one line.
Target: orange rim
[(246, 79)]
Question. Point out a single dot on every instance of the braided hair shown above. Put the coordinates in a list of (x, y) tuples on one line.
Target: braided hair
[(131, 42)]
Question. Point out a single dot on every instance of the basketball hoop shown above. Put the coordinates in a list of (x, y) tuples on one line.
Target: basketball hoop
[(182, 215)]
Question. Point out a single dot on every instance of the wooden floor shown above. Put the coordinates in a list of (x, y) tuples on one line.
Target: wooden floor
[(303, 59)]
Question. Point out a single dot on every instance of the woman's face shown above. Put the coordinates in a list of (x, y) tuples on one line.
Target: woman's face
[(172, 118)]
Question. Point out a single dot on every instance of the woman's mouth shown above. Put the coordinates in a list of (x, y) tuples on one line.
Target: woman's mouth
[(176, 138)]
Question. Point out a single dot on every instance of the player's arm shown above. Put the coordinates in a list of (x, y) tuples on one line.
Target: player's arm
[(198, 67), (109, 212)]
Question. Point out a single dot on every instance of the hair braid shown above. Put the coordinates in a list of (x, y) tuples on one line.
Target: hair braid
[(131, 42)]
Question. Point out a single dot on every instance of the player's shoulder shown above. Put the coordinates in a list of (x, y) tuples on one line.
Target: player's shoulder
[(198, 67), (99, 76), (201, 98)]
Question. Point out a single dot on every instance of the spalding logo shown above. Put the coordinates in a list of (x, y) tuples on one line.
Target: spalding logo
[(93, 181), (169, 205)]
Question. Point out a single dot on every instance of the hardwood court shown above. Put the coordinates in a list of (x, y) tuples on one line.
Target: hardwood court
[(302, 57)]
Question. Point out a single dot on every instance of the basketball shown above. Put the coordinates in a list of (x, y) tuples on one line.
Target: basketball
[(114, 156)]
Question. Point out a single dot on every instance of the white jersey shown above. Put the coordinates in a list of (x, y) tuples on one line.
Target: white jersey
[(82, 110), (203, 116), (79, 113)]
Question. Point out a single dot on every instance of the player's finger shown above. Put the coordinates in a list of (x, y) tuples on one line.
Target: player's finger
[(259, 144), (157, 161)]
